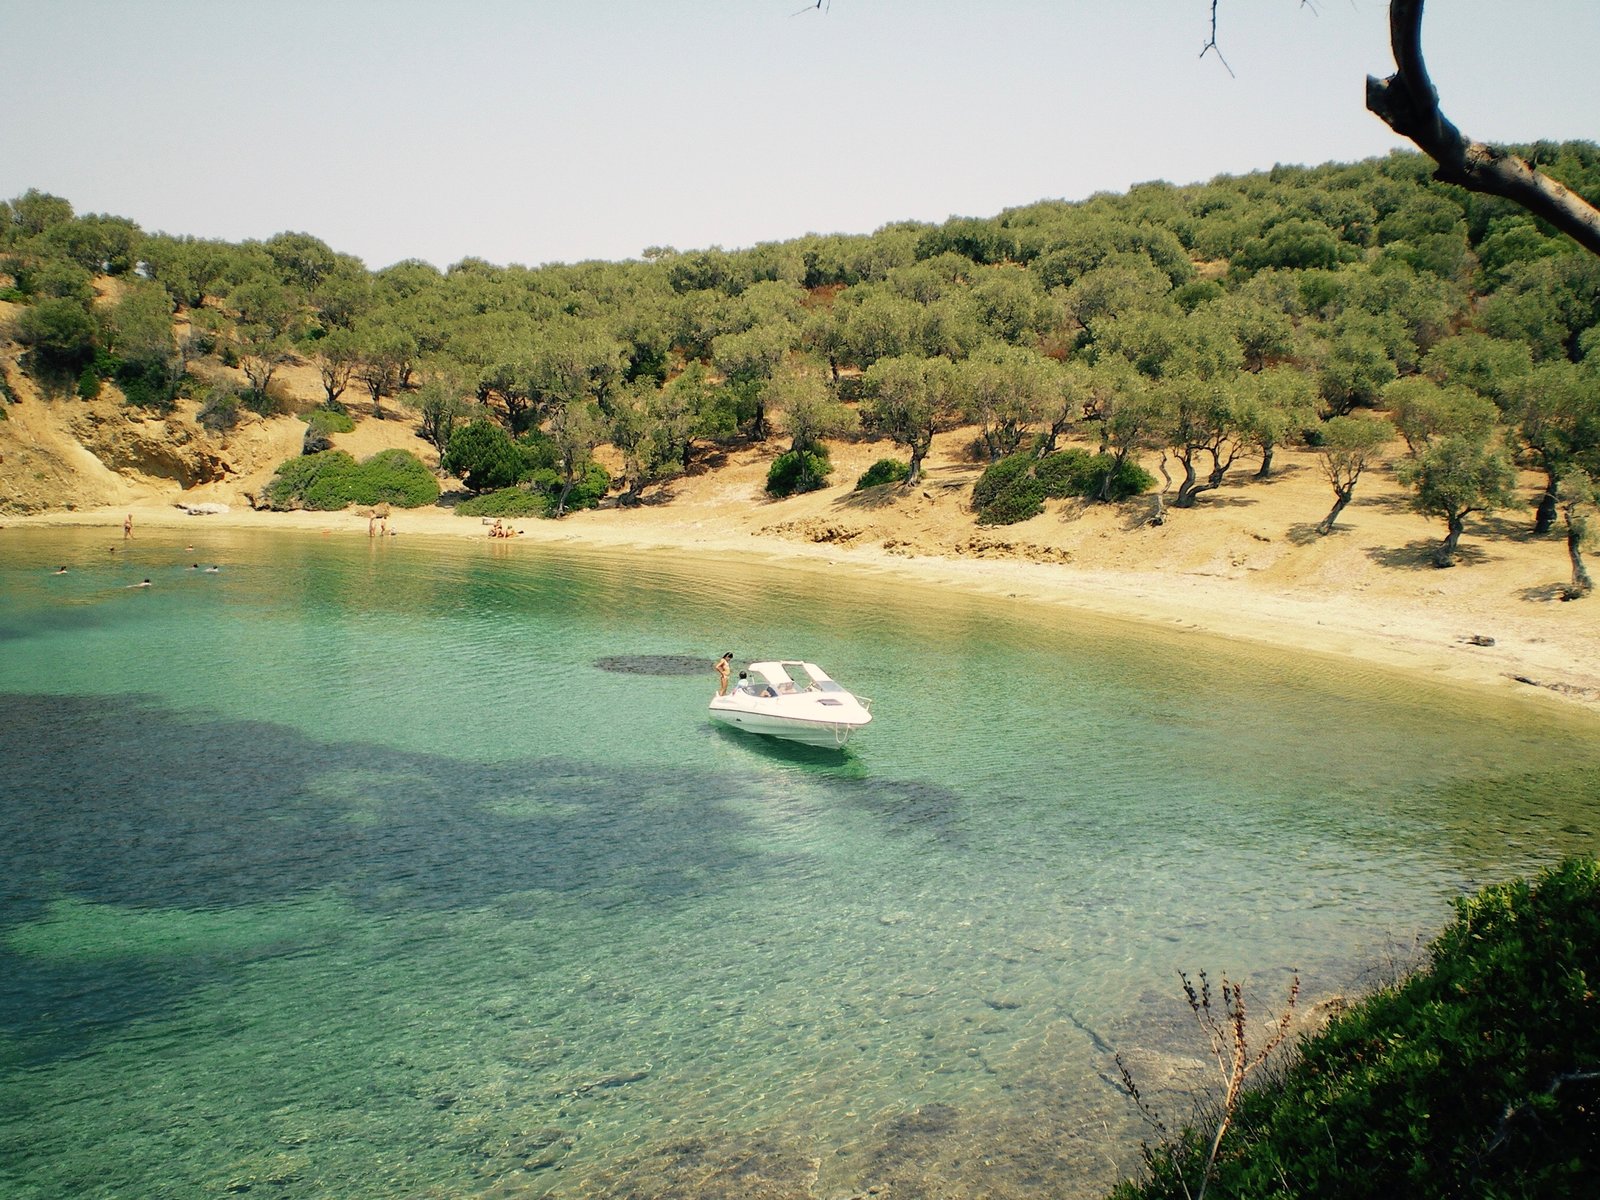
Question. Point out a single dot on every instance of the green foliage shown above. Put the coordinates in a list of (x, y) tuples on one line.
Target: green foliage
[(1008, 491), (885, 470), (219, 411), (397, 477), (507, 502), (1015, 488), (325, 421), (1476, 1076), (333, 480), (484, 457), (60, 333), (798, 471)]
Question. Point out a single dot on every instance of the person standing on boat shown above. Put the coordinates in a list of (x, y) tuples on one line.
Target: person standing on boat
[(723, 667)]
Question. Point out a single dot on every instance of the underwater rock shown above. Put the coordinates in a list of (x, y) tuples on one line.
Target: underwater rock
[(655, 664)]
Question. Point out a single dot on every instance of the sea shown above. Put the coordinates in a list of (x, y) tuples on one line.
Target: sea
[(334, 866)]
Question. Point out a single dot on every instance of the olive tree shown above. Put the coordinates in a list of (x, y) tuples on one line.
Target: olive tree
[(1578, 496), (1454, 477), (1348, 447), (907, 398)]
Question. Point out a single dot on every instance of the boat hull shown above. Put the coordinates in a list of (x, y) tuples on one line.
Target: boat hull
[(828, 734)]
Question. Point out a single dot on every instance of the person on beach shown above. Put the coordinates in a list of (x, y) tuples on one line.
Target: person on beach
[(723, 667), (61, 570), (127, 527)]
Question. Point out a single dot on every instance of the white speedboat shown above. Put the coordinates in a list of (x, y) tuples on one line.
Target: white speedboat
[(796, 701)]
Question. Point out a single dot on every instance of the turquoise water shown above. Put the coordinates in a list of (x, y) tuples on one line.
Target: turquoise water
[(362, 869)]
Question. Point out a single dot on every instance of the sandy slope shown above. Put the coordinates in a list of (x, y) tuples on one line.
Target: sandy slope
[(1244, 564)]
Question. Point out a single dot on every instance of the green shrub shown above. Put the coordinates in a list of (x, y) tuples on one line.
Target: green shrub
[(1475, 1077), (325, 421), (88, 383), (147, 384), (798, 471), (267, 402), (1130, 479), (484, 457), (885, 470), (588, 489), (13, 295), (1071, 472), (397, 477), (219, 411), (507, 502), (1008, 492), (333, 480)]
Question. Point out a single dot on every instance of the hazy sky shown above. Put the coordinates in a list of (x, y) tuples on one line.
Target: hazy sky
[(559, 130)]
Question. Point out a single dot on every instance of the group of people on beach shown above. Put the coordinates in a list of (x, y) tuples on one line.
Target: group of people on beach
[(501, 530)]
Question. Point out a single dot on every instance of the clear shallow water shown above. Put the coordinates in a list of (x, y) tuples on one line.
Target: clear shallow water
[(346, 870)]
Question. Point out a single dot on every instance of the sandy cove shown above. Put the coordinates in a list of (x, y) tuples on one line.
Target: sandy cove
[(1244, 564)]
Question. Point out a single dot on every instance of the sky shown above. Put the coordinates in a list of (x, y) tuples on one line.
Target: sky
[(534, 131)]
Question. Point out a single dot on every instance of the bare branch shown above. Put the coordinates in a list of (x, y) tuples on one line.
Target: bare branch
[(1211, 43), (1409, 104)]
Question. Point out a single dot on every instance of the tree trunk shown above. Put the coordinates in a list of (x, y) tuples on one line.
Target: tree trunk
[(1266, 463), (1190, 484), (919, 451), (1445, 555), (1544, 517), (1343, 495), (1160, 515), (1582, 585)]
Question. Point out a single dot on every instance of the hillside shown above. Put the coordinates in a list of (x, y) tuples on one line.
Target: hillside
[(1216, 321)]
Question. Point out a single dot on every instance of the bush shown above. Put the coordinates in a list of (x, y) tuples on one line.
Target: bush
[(1475, 1077), (1008, 492), (88, 383), (333, 480), (1071, 473), (326, 421), (397, 477), (484, 457), (885, 470), (507, 502), (798, 471), (588, 490), (147, 384), (219, 412), (60, 333)]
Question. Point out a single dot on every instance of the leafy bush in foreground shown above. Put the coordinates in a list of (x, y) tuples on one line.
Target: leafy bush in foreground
[(333, 480), (798, 471), (1479, 1076), (885, 470)]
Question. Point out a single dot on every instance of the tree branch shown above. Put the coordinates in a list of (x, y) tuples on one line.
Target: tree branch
[(1408, 103)]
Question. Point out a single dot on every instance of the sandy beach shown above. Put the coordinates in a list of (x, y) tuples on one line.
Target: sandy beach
[(1244, 564)]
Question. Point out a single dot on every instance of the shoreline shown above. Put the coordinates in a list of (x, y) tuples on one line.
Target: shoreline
[(1528, 658)]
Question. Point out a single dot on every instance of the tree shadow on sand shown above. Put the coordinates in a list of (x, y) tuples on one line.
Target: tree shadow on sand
[(885, 495), (1418, 555)]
